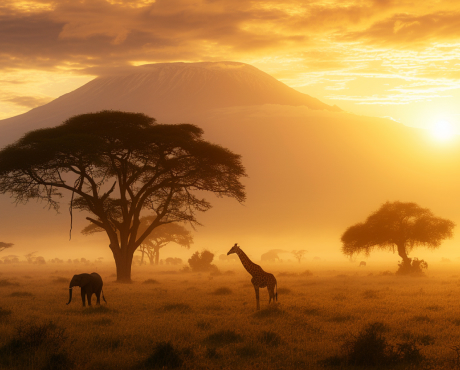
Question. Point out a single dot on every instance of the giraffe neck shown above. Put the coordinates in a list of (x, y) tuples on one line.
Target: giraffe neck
[(247, 263)]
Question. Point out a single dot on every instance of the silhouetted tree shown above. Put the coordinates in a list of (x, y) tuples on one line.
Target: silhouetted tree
[(299, 254), (157, 239), (4, 246), (201, 261), (398, 226), (116, 165)]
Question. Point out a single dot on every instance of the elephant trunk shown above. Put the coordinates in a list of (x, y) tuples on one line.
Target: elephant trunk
[(70, 290), (70, 295)]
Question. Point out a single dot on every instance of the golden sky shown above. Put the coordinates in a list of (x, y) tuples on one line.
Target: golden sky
[(384, 58)]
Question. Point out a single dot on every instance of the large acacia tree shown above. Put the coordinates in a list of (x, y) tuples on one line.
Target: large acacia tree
[(397, 227), (116, 165)]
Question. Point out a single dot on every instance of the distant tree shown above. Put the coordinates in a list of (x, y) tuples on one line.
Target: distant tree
[(299, 254), (201, 261), (4, 246), (157, 239), (116, 165), (398, 226), (30, 257)]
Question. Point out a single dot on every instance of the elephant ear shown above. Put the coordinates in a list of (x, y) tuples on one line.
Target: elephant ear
[(85, 279)]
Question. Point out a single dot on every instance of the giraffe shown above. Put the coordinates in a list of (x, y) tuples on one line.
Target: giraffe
[(260, 278)]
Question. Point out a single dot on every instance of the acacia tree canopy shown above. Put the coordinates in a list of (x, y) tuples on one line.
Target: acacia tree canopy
[(399, 225), (116, 165), (4, 246)]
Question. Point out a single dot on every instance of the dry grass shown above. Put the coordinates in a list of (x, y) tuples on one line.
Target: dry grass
[(188, 320)]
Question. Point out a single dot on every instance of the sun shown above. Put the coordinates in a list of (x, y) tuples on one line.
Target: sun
[(442, 130)]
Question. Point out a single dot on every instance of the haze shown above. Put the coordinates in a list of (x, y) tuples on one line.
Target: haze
[(313, 170)]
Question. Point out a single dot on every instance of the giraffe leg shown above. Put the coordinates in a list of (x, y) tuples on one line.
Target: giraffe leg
[(256, 288), (271, 293)]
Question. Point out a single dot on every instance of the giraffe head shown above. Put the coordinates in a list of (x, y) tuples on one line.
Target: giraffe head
[(234, 249)]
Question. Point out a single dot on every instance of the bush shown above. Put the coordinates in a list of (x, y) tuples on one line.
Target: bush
[(164, 356), (414, 267), (201, 261), (370, 348)]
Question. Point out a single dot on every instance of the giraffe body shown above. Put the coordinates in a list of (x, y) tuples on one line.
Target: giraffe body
[(260, 278)]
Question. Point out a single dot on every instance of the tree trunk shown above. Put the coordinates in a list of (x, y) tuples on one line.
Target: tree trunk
[(151, 256), (402, 253), (123, 262), (157, 255)]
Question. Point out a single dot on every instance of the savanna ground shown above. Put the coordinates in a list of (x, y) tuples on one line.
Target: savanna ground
[(197, 321)]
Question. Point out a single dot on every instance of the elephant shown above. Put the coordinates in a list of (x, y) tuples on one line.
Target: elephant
[(90, 284)]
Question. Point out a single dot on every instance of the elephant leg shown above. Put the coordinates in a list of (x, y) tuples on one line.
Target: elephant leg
[(89, 294), (83, 295), (98, 297)]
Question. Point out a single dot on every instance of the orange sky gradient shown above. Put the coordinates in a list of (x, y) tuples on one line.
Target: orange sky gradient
[(394, 59)]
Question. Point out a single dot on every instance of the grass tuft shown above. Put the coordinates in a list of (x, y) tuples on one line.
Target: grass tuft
[(270, 311), (97, 310), (4, 313), (270, 338), (21, 294), (203, 325), (61, 279), (249, 351), (181, 307), (5, 282), (222, 338), (222, 291), (370, 294), (284, 291), (103, 322), (150, 281)]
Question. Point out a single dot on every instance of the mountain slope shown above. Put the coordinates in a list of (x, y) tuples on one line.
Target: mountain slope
[(165, 91)]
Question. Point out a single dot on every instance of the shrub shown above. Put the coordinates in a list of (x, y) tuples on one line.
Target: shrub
[(182, 307), (164, 356), (201, 261), (222, 338), (306, 273)]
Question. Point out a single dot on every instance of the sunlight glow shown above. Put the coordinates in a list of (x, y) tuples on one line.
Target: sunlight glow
[(442, 130)]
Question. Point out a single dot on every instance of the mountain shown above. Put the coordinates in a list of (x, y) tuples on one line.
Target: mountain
[(166, 91), (313, 170)]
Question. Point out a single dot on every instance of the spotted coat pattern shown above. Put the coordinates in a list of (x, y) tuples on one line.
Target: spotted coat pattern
[(260, 278)]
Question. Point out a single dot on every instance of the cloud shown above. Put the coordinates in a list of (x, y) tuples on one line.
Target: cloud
[(27, 101)]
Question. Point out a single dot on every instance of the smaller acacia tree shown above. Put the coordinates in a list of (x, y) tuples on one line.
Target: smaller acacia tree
[(398, 227), (299, 254), (4, 246)]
